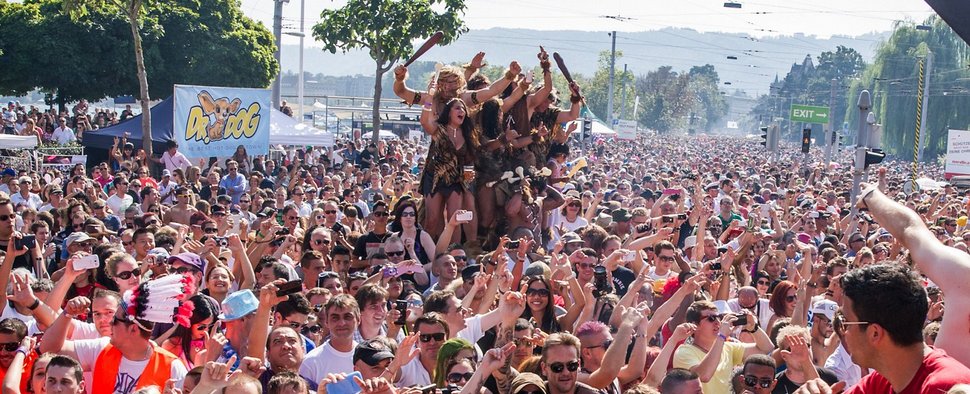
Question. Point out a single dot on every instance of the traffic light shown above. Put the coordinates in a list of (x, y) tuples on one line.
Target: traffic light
[(764, 134), (806, 140), (874, 156)]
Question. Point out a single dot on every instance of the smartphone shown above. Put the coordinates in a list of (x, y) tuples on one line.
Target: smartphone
[(28, 241), (221, 241), (642, 228), (716, 266), (90, 261), (630, 256), (753, 223), (293, 286), (512, 245), (338, 228), (681, 216), (464, 216), (401, 306), (667, 219), (346, 386), (429, 389), (742, 320), (670, 192)]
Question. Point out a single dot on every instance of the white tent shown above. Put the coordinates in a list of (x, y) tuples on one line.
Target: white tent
[(285, 130), (599, 129), (384, 135), (9, 141)]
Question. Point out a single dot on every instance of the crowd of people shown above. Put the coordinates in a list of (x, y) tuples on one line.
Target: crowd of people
[(505, 256), (58, 127)]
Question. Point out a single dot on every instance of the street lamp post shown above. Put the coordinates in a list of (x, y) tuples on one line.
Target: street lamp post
[(302, 35)]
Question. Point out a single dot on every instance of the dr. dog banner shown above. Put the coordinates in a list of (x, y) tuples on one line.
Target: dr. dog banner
[(215, 121)]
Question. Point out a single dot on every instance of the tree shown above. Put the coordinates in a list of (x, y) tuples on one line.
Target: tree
[(132, 11), (386, 29), (207, 42)]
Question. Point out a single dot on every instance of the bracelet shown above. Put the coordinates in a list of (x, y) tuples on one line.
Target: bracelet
[(22, 350), (510, 75), (722, 336), (867, 195), (35, 304), (575, 99)]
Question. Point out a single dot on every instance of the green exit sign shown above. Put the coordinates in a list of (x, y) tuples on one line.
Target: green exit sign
[(809, 114)]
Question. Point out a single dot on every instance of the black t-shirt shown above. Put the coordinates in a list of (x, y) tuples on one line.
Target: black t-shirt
[(786, 386), (368, 244), (622, 277), (365, 160)]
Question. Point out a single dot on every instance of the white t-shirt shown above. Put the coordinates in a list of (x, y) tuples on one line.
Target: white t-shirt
[(555, 218), (84, 330), (118, 205), (325, 359), (128, 371), (32, 200), (63, 135), (473, 332), (28, 320), (414, 374), (179, 161), (840, 362)]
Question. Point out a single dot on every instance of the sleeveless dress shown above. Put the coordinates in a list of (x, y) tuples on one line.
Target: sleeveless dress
[(443, 168)]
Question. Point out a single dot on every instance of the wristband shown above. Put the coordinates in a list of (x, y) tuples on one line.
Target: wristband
[(22, 350), (722, 336), (510, 75), (575, 99), (35, 304)]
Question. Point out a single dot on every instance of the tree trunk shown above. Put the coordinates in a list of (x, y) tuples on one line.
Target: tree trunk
[(146, 114), (376, 115)]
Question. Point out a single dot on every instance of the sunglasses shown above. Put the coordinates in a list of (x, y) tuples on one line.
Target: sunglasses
[(604, 345), (380, 214), (210, 230), (314, 329), (839, 324), (407, 214), (4, 218), (790, 298), (751, 381), (572, 366), (9, 346), (461, 258), (763, 283), (458, 377), (437, 337), (205, 327), (329, 212), (713, 318), (125, 275), (321, 241), (394, 254), (538, 292), (181, 270)]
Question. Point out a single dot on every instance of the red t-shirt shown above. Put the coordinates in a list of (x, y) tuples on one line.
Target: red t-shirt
[(937, 374)]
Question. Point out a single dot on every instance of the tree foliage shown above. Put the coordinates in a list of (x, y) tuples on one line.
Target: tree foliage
[(893, 81), (208, 42), (386, 29)]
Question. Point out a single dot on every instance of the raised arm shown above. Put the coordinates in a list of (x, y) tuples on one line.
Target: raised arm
[(480, 96), (945, 266), (410, 96)]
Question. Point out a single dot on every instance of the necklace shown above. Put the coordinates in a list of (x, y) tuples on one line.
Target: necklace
[(454, 132)]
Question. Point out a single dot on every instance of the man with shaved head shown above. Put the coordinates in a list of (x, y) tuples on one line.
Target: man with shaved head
[(747, 298)]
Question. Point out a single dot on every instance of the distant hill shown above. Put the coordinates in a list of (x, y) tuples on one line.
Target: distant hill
[(643, 51)]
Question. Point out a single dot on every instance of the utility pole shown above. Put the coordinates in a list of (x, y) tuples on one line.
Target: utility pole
[(830, 134), (299, 88), (623, 99), (609, 102), (277, 36), (865, 104), (922, 137)]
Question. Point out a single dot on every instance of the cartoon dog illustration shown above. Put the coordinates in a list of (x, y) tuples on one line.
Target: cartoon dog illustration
[(219, 110)]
